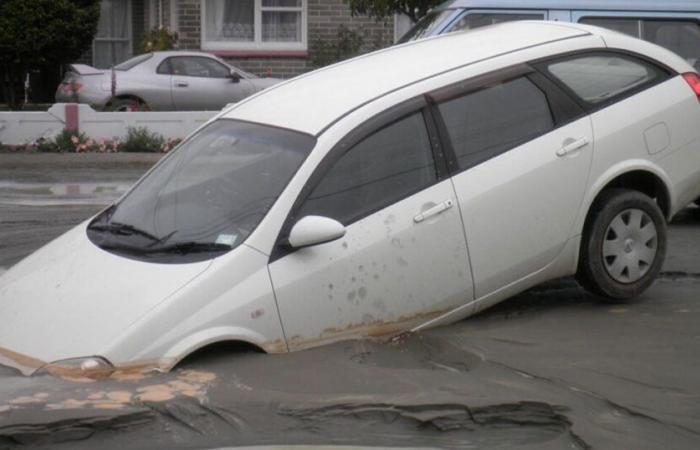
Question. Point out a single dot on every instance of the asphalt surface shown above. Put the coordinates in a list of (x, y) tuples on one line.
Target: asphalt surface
[(552, 368)]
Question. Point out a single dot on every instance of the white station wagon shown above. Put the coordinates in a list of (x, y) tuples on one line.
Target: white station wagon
[(401, 190)]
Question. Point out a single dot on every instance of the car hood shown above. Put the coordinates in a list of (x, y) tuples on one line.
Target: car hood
[(71, 299)]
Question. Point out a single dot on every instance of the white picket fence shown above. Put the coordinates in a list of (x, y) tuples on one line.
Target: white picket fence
[(18, 127)]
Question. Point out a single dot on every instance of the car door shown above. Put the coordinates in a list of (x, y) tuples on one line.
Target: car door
[(403, 259), (522, 154), (201, 83)]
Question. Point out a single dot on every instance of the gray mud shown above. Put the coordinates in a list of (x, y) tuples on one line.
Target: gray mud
[(552, 368)]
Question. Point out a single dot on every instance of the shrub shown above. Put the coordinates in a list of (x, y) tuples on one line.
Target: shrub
[(159, 39), (347, 44), (139, 139)]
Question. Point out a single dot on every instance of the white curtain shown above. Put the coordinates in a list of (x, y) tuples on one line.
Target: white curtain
[(112, 42), (230, 20)]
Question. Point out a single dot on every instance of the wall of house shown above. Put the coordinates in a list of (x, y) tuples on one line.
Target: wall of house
[(325, 18)]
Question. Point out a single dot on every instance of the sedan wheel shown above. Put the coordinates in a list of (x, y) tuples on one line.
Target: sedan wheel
[(623, 246), (128, 105)]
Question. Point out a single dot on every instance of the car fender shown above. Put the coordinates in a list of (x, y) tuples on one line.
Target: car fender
[(597, 185), (203, 338)]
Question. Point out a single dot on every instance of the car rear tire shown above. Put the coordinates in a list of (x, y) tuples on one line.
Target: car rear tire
[(128, 105), (623, 246), (697, 202)]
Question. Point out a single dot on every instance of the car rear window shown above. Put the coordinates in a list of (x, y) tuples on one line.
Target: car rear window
[(599, 78), (680, 36), (133, 62), (488, 122)]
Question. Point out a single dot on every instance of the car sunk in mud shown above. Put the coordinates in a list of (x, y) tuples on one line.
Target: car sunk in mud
[(401, 190)]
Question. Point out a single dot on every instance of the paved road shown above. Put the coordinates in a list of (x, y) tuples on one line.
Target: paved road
[(549, 369)]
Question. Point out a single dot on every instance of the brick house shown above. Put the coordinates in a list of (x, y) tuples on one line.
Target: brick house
[(280, 38)]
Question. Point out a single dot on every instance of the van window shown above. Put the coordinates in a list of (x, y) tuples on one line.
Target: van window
[(599, 78), (385, 167), (680, 36), (476, 20), (491, 121)]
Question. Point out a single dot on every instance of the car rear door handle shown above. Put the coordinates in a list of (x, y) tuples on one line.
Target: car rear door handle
[(434, 211), (181, 83), (572, 146)]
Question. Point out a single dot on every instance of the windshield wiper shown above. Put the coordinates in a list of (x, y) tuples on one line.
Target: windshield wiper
[(124, 229), (190, 247)]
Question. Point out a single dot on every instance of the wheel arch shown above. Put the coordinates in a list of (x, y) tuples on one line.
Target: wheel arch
[(206, 338), (640, 176), (125, 97)]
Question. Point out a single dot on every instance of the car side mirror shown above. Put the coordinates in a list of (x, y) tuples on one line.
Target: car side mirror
[(235, 76), (314, 230)]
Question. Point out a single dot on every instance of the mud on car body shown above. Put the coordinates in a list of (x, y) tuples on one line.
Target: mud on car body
[(416, 195)]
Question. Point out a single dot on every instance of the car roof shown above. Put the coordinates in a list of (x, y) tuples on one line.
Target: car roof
[(312, 102), (605, 5)]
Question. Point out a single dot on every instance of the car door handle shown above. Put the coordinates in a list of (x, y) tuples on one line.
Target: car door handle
[(572, 146), (434, 211), (182, 83)]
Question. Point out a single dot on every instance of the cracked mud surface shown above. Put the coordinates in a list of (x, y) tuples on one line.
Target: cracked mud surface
[(549, 369)]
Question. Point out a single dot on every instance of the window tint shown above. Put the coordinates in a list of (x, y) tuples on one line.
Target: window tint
[(598, 78), (491, 121), (476, 20), (386, 167), (680, 36), (194, 66)]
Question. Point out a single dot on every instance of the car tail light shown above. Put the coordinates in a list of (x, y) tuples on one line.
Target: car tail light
[(693, 80), (71, 86)]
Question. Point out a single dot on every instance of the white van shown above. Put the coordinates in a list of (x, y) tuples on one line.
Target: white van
[(673, 24)]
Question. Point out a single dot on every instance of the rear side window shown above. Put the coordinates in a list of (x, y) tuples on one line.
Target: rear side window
[(680, 36), (600, 78), (488, 122), (476, 20), (385, 167)]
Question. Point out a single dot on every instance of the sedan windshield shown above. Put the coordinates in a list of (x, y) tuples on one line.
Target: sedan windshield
[(206, 197)]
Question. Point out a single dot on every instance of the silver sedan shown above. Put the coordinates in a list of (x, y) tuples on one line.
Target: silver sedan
[(164, 81)]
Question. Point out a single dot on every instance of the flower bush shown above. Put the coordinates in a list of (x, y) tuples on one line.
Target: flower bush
[(70, 141)]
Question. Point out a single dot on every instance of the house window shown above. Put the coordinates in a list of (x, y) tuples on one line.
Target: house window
[(254, 24), (112, 43)]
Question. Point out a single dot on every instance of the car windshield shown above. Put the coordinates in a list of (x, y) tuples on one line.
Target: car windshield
[(425, 26), (206, 197), (133, 62)]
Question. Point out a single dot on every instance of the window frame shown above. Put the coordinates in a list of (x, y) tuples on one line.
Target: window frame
[(666, 74), (117, 40), (257, 44), (416, 105)]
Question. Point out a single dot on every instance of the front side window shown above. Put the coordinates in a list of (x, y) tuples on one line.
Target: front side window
[(680, 36), (488, 122), (597, 79), (254, 24), (385, 167), (194, 66), (207, 197), (475, 20)]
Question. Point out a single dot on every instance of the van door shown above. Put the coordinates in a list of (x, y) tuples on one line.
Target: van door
[(403, 260)]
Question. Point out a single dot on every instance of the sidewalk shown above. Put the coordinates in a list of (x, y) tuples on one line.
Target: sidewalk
[(42, 179)]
